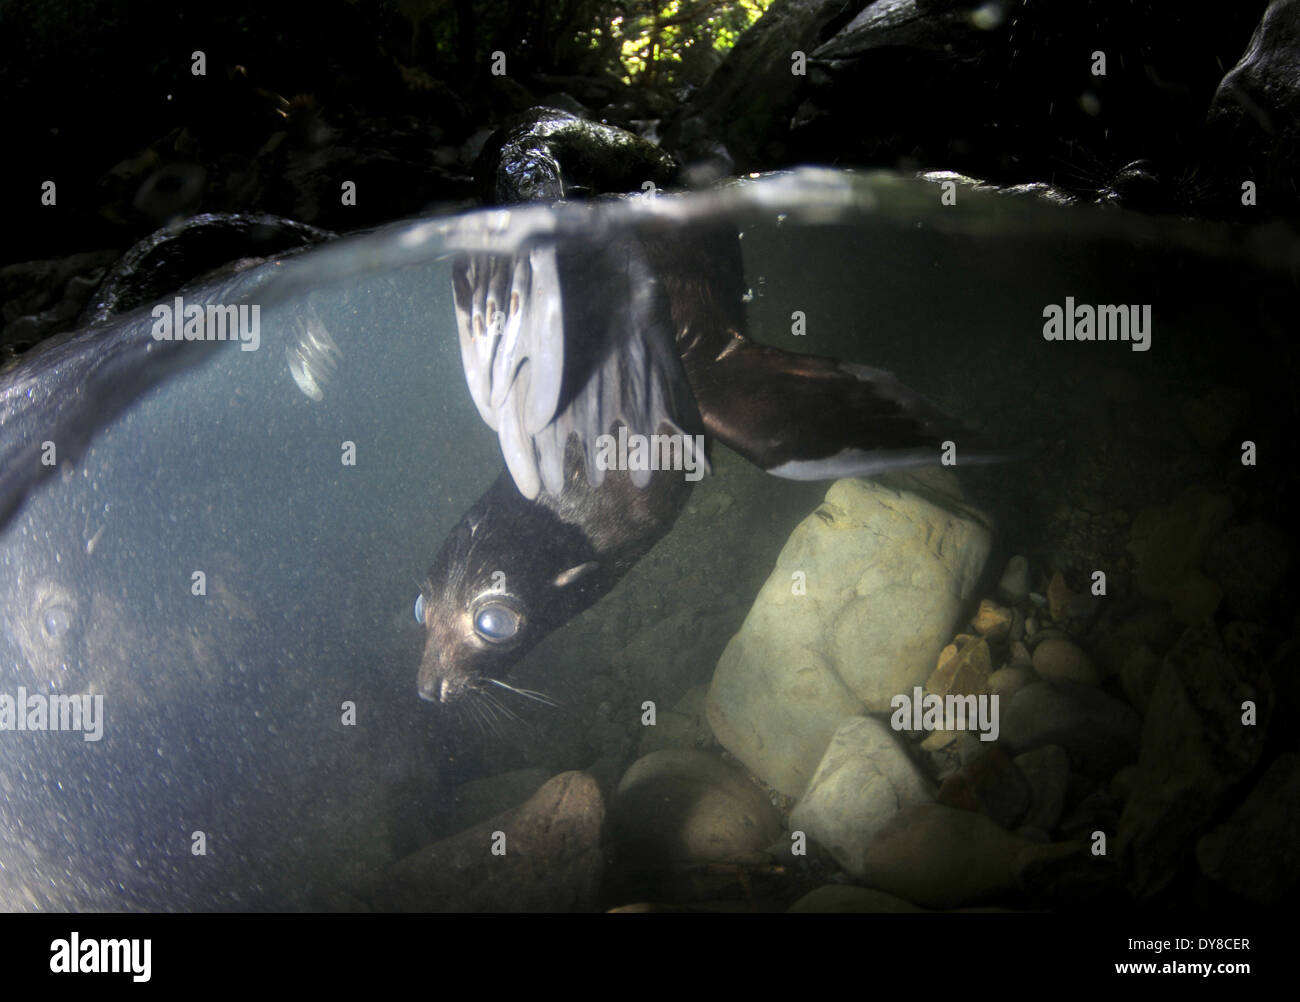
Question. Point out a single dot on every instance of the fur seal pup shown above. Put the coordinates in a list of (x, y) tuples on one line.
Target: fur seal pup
[(638, 334)]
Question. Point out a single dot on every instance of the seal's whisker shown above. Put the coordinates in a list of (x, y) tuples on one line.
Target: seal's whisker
[(476, 714), (541, 697), (503, 713), (486, 714), (500, 707)]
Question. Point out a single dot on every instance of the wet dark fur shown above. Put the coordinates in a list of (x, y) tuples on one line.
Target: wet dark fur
[(532, 544)]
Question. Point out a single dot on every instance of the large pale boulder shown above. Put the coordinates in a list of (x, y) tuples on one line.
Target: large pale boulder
[(864, 596)]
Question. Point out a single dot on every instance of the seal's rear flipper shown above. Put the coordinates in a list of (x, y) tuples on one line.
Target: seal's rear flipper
[(570, 338), (804, 417)]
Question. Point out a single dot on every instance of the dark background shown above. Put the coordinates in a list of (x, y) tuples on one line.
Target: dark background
[(99, 96)]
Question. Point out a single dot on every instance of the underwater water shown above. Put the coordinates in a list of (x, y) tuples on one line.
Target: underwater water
[(277, 712)]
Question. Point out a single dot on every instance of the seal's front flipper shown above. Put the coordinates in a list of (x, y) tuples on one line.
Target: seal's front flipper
[(804, 417)]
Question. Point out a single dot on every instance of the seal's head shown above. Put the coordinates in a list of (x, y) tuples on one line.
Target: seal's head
[(43, 635), (508, 574)]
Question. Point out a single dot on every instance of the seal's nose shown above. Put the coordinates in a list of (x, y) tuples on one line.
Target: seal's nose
[(432, 682), (440, 680), (441, 689)]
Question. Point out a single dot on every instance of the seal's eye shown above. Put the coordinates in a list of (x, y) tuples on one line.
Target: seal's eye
[(496, 622), (56, 620), (419, 608)]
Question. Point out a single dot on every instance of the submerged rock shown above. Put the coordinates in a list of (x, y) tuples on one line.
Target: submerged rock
[(863, 598), (964, 668), (991, 785), (1006, 682), (992, 620), (1132, 644), (684, 726), (1097, 811), (483, 798), (552, 860), (1169, 544), (1014, 586), (1150, 625), (1062, 659), (1058, 597), (1067, 874), (863, 780), (1195, 749), (1047, 770), (941, 857), (1138, 674), (683, 806), (1100, 733), (1121, 784), (1256, 852), (1248, 562)]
